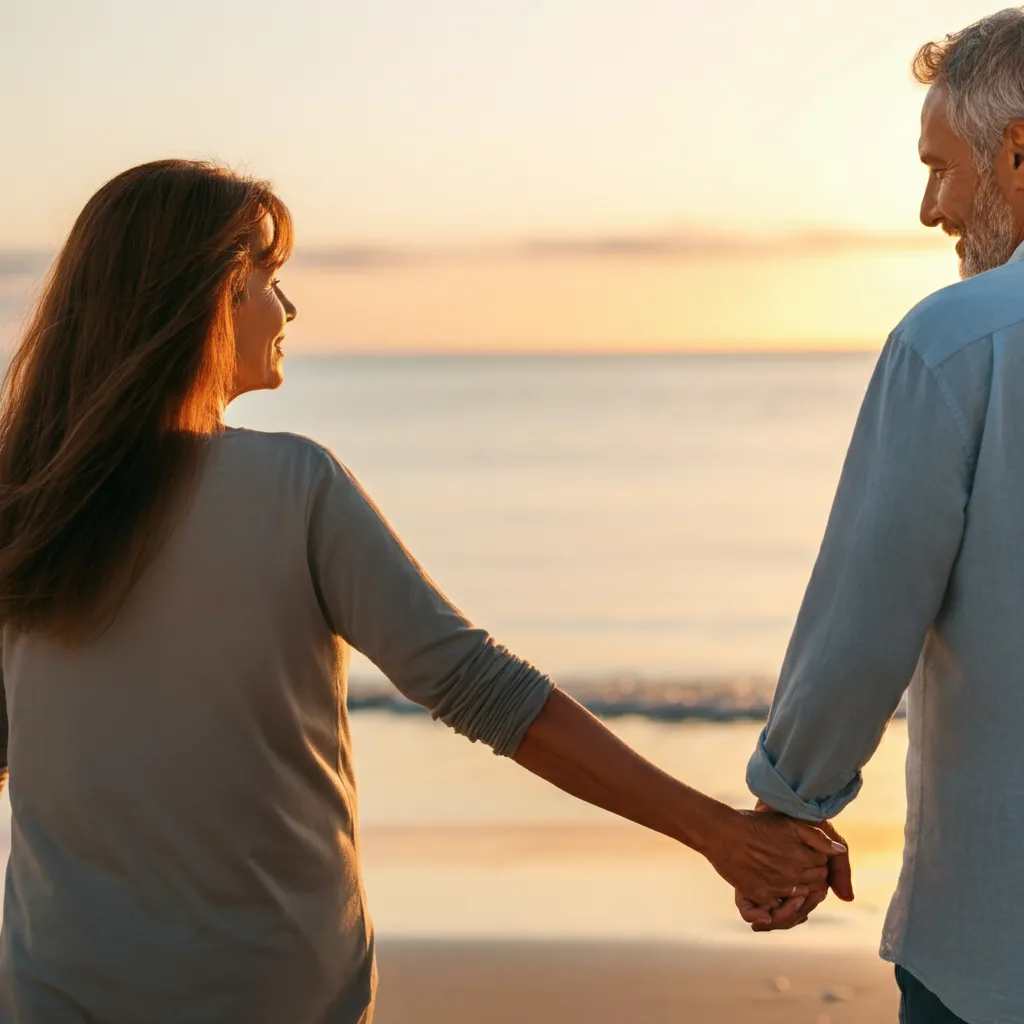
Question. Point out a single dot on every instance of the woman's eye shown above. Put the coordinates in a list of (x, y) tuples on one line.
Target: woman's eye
[(275, 283)]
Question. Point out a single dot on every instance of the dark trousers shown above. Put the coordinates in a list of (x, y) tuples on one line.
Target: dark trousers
[(918, 1005)]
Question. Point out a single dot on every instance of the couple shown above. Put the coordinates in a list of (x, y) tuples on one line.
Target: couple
[(179, 599)]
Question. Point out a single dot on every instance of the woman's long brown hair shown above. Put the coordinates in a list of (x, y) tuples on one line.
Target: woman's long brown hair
[(123, 371)]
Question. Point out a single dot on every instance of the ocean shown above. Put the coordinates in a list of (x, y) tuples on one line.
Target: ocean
[(641, 528)]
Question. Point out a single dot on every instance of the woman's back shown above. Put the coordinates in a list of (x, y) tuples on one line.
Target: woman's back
[(182, 795)]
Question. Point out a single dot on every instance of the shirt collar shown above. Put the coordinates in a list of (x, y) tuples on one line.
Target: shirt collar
[(1018, 254)]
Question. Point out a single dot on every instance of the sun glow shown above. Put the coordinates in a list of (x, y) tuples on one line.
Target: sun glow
[(404, 125)]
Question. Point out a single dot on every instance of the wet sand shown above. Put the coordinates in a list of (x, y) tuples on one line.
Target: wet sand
[(430, 982)]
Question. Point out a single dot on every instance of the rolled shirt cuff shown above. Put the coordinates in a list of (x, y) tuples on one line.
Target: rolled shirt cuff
[(767, 784)]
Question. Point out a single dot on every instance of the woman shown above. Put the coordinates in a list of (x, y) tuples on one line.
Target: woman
[(178, 601)]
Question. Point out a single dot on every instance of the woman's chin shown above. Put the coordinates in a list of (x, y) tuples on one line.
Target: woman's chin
[(275, 372)]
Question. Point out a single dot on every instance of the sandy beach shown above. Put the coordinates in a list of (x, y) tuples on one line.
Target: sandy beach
[(437, 982)]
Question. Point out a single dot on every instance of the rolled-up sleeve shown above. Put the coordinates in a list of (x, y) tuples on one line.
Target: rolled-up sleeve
[(876, 589), (378, 599)]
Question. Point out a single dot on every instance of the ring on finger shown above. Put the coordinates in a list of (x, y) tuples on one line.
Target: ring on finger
[(782, 899)]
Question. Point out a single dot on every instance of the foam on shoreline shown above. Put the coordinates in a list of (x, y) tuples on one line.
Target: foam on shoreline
[(743, 698)]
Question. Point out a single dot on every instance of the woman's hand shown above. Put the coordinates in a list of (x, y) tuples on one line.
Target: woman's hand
[(768, 857), (776, 916)]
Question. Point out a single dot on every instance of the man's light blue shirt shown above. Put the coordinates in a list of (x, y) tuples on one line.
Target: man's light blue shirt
[(920, 580)]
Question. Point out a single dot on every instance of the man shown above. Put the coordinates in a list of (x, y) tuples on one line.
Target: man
[(920, 578)]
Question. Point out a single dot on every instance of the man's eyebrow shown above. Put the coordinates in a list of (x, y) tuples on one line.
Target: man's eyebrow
[(928, 158)]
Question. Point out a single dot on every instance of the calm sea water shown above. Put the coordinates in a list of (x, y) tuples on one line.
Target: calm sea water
[(643, 528), (651, 519), (640, 527)]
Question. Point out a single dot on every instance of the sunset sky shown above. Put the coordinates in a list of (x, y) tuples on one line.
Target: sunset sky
[(476, 175)]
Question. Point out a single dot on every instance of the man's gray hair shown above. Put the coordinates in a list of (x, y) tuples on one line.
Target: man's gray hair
[(982, 70)]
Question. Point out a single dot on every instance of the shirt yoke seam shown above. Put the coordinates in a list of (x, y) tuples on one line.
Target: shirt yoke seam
[(933, 370), (901, 332)]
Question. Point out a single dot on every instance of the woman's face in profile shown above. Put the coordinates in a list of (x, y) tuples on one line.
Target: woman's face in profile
[(260, 321)]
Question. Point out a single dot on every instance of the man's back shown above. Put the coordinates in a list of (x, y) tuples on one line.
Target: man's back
[(923, 563)]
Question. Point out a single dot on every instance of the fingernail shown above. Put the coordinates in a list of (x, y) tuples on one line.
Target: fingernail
[(799, 903), (838, 847)]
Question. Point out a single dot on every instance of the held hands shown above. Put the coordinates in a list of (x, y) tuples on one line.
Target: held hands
[(779, 915), (769, 858), (772, 860)]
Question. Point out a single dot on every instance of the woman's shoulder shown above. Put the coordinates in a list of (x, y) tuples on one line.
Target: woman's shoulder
[(275, 453), (281, 443), (272, 467)]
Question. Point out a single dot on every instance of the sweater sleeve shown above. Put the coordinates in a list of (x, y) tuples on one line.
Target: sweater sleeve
[(378, 599)]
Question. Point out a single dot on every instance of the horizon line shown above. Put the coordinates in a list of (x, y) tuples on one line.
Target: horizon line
[(649, 246), (734, 348)]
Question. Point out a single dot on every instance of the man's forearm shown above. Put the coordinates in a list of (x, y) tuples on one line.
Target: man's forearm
[(878, 584)]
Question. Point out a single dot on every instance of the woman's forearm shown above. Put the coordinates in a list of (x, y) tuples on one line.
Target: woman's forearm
[(764, 856), (570, 748)]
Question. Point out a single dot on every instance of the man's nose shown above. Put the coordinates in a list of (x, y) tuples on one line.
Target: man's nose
[(930, 215)]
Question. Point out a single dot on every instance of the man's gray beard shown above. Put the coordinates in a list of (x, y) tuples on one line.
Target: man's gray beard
[(990, 240)]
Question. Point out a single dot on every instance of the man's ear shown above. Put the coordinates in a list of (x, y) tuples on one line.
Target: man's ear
[(1015, 144)]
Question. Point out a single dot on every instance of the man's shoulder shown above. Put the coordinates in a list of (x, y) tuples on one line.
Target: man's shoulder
[(955, 317)]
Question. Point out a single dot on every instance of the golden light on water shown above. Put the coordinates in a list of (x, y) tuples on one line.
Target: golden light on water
[(615, 304)]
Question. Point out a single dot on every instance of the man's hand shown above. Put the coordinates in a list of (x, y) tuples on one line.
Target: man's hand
[(781, 916), (840, 874)]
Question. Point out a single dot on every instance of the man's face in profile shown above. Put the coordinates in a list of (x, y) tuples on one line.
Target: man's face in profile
[(965, 203)]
